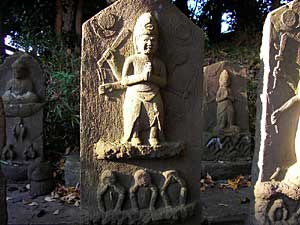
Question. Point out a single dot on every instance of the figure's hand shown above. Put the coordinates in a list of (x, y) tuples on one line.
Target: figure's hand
[(275, 115), (101, 90), (147, 71), (124, 81)]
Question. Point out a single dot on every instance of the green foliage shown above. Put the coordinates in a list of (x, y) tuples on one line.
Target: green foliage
[(62, 100)]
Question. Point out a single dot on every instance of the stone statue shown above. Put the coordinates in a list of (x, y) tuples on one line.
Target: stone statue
[(109, 182), (292, 176), (142, 180), (225, 110), (20, 89), (278, 213), (172, 177), (143, 105)]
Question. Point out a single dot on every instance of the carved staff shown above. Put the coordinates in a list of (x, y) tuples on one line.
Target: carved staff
[(279, 58), (116, 43)]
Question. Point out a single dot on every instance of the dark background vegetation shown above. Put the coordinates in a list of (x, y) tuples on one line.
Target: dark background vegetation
[(51, 31)]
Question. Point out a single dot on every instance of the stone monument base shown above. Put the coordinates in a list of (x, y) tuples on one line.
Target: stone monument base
[(276, 203), (147, 216), (15, 171), (117, 150)]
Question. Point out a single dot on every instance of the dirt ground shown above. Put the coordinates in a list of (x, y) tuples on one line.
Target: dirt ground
[(220, 207)]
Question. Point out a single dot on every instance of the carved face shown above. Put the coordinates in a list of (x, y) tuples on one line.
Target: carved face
[(19, 72), (142, 178), (224, 80), (146, 44), (108, 177)]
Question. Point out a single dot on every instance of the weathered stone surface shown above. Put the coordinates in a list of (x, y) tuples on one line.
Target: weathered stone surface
[(3, 211), (107, 41), (23, 91), (72, 170), (106, 150), (276, 161), (226, 135)]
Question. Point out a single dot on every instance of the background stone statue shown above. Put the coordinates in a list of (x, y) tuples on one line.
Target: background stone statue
[(20, 88), (143, 105), (225, 109)]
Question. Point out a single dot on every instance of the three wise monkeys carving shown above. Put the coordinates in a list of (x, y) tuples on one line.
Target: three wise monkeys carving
[(143, 194)]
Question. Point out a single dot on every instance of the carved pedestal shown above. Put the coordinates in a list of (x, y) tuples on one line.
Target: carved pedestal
[(141, 123), (276, 169)]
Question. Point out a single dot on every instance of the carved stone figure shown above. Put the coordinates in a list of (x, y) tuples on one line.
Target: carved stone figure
[(226, 137), (276, 171), (278, 213), (293, 174), (143, 193), (143, 105), (172, 177), (20, 88), (141, 98), (225, 109), (40, 175), (110, 186), (23, 92)]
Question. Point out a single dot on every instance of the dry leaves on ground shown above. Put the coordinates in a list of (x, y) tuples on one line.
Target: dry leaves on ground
[(69, 195), (237, 182), (206, 182)]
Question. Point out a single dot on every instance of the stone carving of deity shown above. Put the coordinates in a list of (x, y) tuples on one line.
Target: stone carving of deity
[(20, 89), (143, 105), (225, 110)]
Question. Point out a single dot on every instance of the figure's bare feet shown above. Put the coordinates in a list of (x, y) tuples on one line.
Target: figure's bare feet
[(153, 141), (135, 141)]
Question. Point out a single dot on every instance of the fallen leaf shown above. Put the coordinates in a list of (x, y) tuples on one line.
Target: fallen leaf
[(222, 204), (49, 199), (77, 203), (33, 204), (56, 212)]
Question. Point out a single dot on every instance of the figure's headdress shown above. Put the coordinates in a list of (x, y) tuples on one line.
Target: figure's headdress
[(224, 76), (145, 25)]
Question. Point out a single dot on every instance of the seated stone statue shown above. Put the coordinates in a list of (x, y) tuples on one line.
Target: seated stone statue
[(225, 109), (20, 89), (143, 105)]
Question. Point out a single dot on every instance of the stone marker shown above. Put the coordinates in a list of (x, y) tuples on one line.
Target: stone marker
[(276, 169), (141, 124), (226, 122), (3, 212), (23, 91)]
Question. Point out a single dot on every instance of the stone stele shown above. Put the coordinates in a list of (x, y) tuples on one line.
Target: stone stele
[(276, 169), (232, 147), (226, 134), (23, 91), (3, 211), (141, 123)]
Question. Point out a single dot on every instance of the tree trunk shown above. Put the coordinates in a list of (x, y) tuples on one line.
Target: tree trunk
[(68, 16), (78, 20), (215, 8), (275, 4), (58, 17)]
